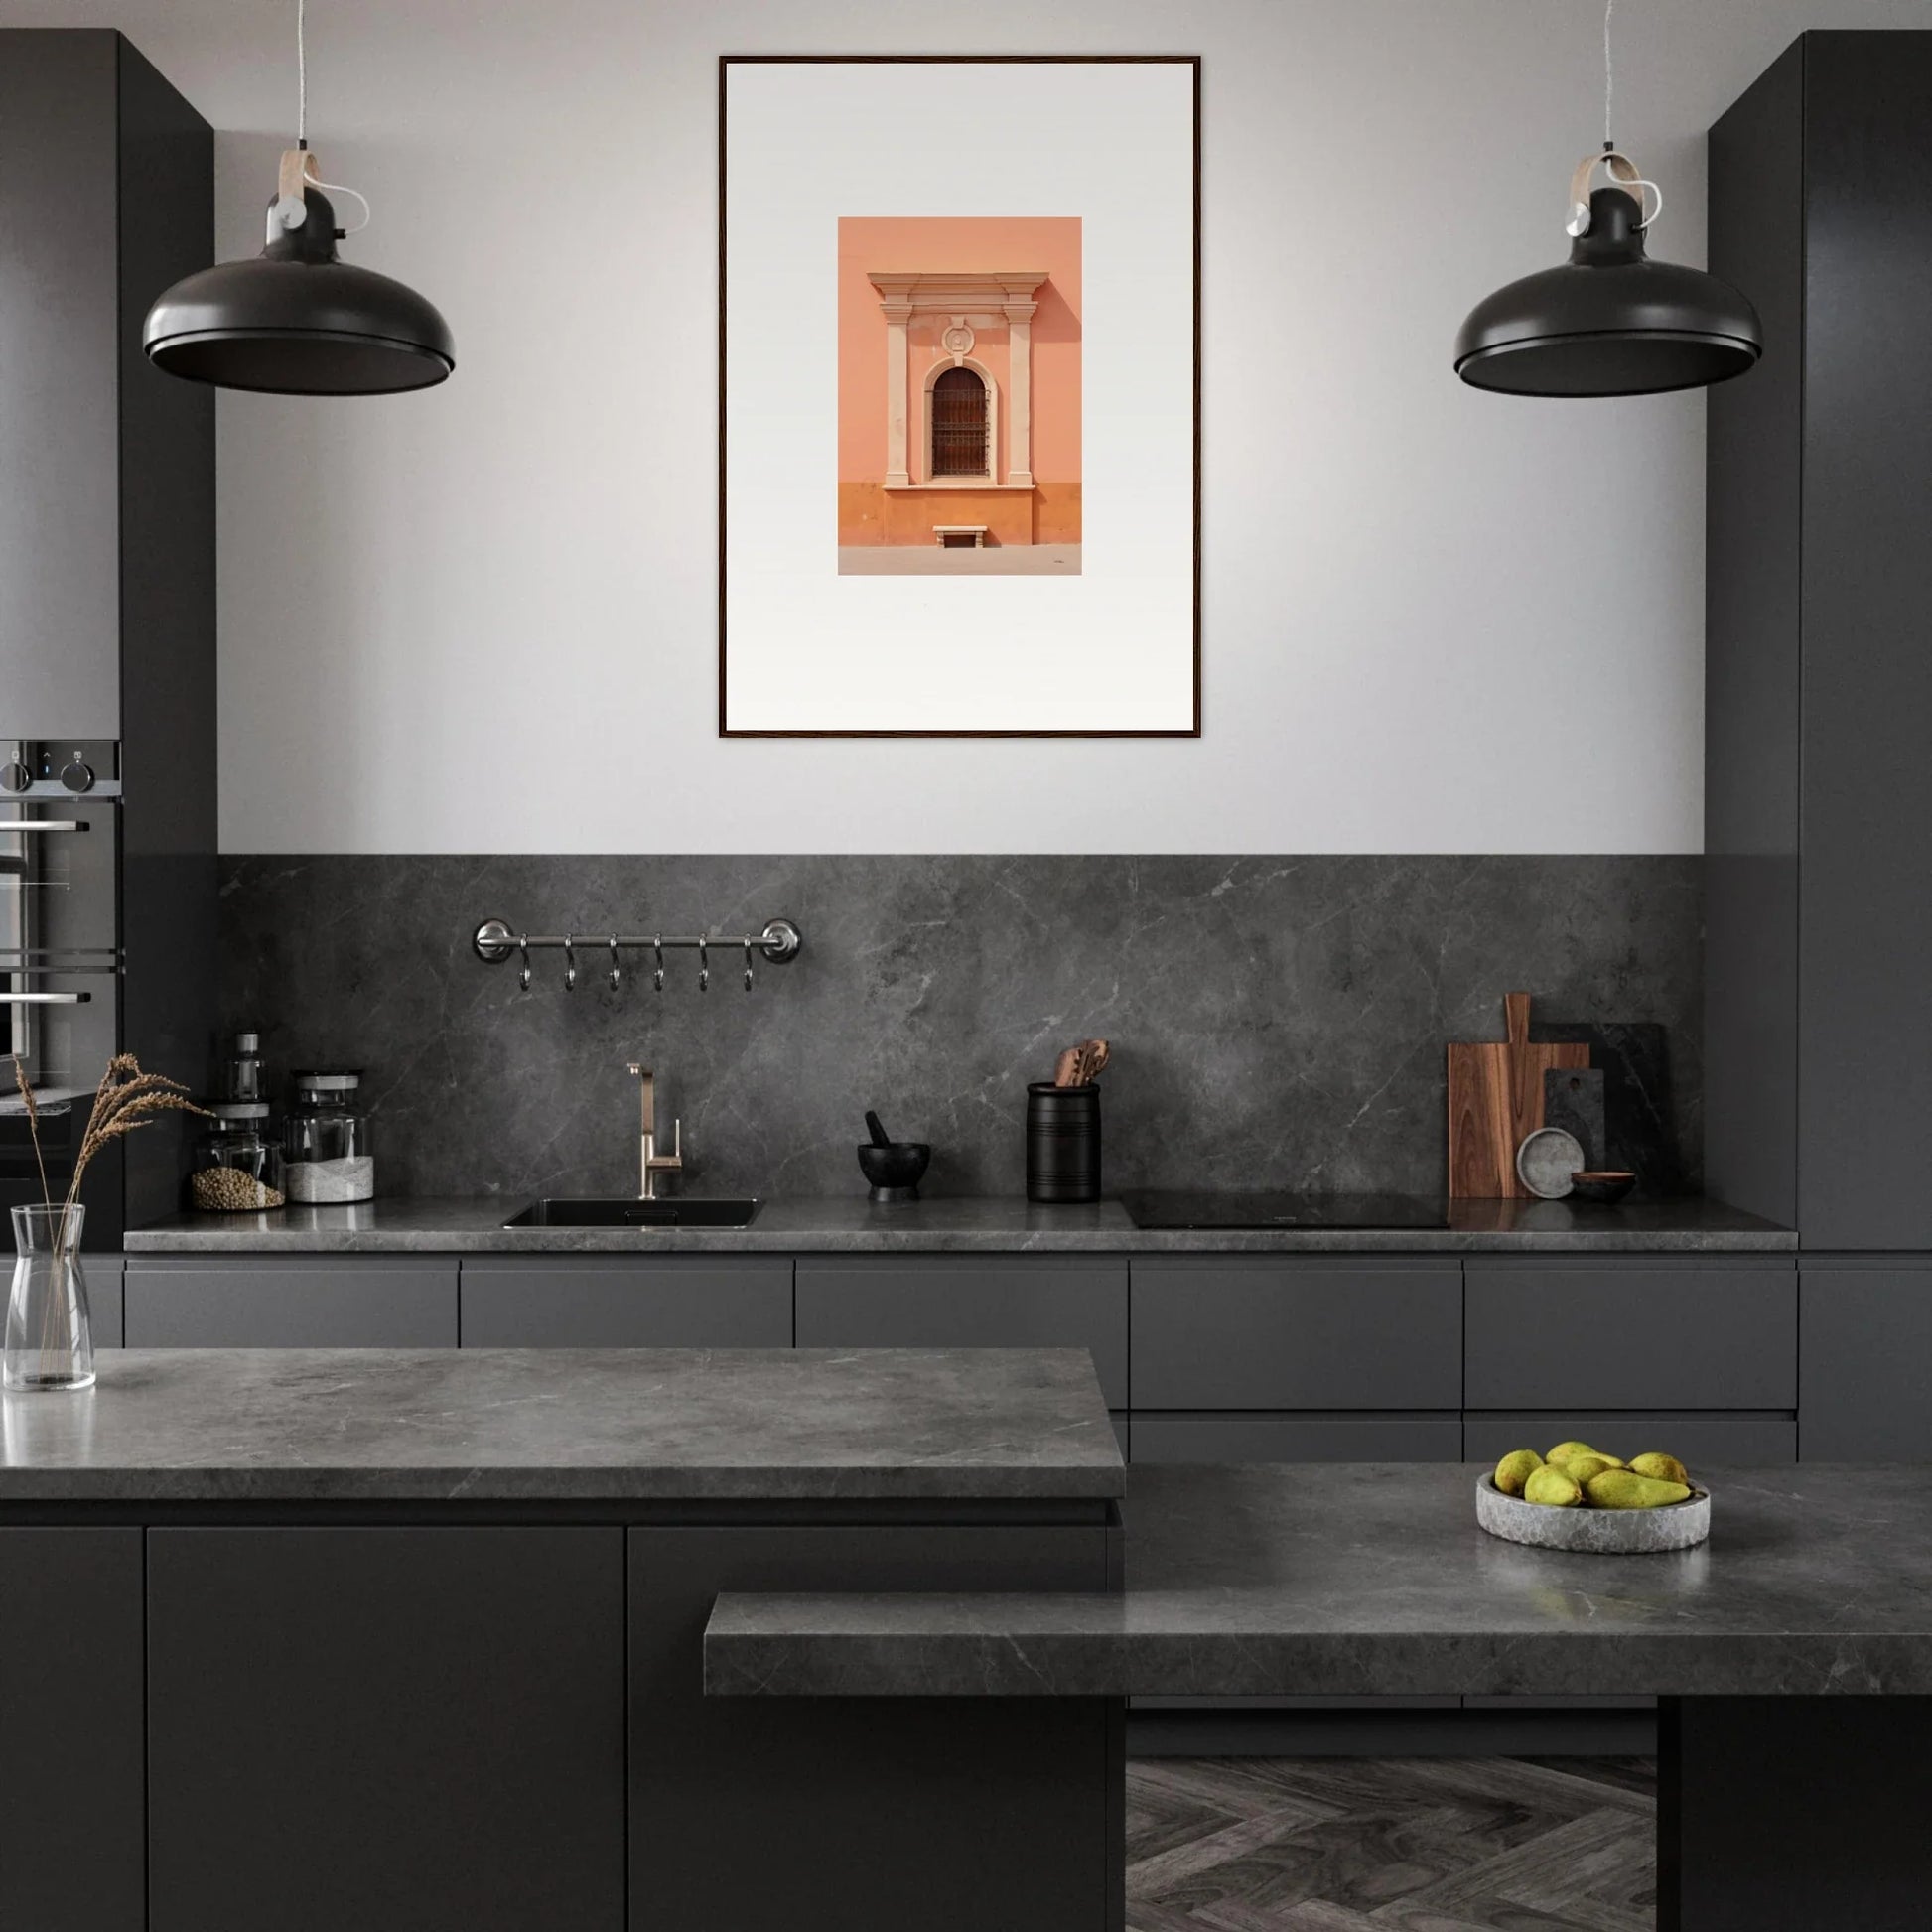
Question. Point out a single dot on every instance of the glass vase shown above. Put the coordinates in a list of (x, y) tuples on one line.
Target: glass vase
[(50, 1337)]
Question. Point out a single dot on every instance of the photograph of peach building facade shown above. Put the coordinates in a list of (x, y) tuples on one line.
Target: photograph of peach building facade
[(959, 395)]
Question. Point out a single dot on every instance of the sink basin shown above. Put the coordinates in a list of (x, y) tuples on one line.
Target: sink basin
[(620, 1211)]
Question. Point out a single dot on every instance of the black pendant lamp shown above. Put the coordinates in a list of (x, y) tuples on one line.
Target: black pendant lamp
[(1609, 322), (297, 320)]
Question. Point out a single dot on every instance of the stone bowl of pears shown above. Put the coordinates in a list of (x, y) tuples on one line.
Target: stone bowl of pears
[(1581, 1498)]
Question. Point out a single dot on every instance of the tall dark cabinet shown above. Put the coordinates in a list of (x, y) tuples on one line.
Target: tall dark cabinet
[(108, 695), (1819, 716)]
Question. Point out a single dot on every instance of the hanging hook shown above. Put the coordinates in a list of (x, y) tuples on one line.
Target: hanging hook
[(616, 971), (704, 967), (747, 965), (657, 978), (570, 963), (523, 946)]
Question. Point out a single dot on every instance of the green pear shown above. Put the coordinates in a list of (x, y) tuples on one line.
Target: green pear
[(1565, 1451), (1579, 1469), (1515, 1469), (1666, 1468), (1622, 1490), (1549, 1486)]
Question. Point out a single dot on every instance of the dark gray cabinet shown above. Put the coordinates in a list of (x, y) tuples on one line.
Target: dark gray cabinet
[(1266, 1332), (1740, 1440), (107, 562), (975, 1813), (1297, 1438), (621, 1302), (1867, 1389), (943, 1301), (1817, 681), (276, 1301), (59, 427), (73, 1854), (103, 1273), (107, 516), (408, 1727), (1617, 1334)]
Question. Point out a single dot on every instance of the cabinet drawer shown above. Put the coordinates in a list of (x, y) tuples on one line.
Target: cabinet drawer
[(1018, 1303), (1602, 1335), (1296, 1439), (1867, 1364), (103, 1273), (1740, 1441), (1267, 1335), (395, 1302), (672, 1302)]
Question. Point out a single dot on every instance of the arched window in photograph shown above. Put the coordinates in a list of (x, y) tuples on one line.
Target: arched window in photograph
[(959, 423)]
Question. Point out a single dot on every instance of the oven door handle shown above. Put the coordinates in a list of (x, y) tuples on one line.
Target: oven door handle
[(45, 998), (43, 825)]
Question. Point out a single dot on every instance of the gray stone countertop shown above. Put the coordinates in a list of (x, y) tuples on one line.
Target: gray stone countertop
[(962, 1225), (1373, 1579), (565, 1425)]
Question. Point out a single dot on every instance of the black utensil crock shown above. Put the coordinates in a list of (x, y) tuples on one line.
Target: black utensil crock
[(1062, 1143)]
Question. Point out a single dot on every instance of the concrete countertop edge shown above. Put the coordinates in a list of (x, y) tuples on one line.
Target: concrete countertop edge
[(961, 1225)]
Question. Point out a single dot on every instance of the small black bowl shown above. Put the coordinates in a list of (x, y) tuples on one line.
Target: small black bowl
[(895, 1168), (1606, 1187)]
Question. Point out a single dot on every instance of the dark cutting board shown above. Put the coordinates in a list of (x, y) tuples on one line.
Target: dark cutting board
[(1640, 1114), (1573, 1099), (1495, 1101)]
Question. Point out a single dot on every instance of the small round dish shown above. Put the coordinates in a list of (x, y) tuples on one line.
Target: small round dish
[(1606, 1187), (1594, 1532), (1547, 1160)]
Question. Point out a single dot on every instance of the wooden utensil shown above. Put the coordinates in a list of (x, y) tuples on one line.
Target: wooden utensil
[(1066, 1069), (1495, 1101)]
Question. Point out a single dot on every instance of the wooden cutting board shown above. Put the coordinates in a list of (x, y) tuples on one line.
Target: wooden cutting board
[(1495, 1099)]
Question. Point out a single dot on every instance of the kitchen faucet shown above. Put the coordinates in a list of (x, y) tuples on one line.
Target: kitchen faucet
[(651, 1163)]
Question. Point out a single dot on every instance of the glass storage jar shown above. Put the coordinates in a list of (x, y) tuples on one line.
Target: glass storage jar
[(329, 1155), (237, 1162)]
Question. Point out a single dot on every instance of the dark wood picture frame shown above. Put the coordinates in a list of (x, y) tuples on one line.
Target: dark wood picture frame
[(728, 60)]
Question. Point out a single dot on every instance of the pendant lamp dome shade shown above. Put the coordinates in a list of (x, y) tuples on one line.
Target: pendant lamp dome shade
[(1609, 322), (297, 320)]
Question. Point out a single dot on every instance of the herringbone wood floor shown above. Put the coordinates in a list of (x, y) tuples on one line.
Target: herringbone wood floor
[(1391, 1845)]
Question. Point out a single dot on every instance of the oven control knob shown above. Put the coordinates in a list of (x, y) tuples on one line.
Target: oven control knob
[(15, 776), (78, 776)]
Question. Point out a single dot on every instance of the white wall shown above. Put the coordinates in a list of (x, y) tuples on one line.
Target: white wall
[(484, 618)]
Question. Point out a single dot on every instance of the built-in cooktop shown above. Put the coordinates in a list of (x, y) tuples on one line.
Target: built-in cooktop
[(1192, 1211)]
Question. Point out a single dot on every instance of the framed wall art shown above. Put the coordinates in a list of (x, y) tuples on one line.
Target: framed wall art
[(959, 396)]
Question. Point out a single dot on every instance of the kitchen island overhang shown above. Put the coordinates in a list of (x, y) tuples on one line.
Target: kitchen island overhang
[(1792, 1653), (328, 1633)]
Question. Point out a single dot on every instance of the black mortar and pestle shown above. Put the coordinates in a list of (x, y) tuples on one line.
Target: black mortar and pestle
[(893, 1167)]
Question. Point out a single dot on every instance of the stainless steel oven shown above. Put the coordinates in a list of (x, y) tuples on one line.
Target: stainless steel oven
[(61, 955)]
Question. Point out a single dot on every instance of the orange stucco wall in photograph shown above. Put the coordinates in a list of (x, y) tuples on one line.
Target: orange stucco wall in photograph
[(868, 511)]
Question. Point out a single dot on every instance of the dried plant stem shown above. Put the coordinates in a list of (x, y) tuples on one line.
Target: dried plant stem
[(26, 1087), (126, 1099)]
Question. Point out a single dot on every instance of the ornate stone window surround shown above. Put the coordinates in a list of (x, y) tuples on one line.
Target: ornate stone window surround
[(969, 302)]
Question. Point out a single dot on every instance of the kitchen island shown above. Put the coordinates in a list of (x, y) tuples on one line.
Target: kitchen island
[(1792, 1652), (413, 1640)]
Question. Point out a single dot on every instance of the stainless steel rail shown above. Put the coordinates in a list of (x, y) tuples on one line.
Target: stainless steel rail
[(780, 941)]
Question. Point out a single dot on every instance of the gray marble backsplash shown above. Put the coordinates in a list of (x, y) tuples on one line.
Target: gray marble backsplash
[(1276, 1022)]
